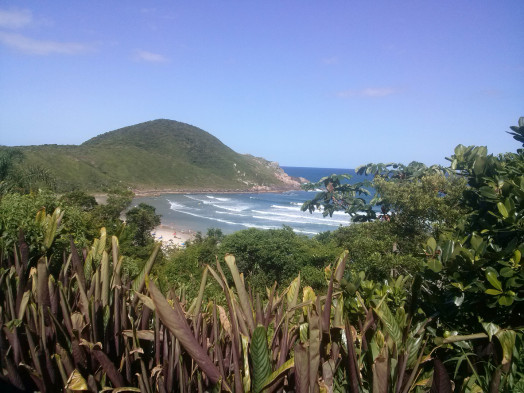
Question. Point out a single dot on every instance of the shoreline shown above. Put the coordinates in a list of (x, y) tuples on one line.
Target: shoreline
[(156, 192), (171, 236)]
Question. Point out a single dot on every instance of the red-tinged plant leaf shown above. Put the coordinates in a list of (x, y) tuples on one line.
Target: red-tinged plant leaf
[(65, 359), (327, 307), (77, 263), (66, 310), (217, 277), (314, 348), (84, 303), (292, 292), (301, 368), (243, 297), (117, 265), (105, 278), (381, 371), (269, 306), (32, 349), (259, 314), (53, 295), (341, 265), (79, 355), (139, 281), (235, 348), (60, 368), (216, 341), (195, 309), (328, 369), (441, 382), (241, 318), (174, 320), (43, 289), (109, 368), (13, 374), (41, 382), (352, 366)]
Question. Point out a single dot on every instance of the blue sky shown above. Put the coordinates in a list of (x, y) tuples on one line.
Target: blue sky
[(304, 83)]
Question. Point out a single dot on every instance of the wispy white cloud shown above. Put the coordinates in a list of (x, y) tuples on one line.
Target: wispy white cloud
[(42, 47), (373, 92), (15, 19), (151, 57)]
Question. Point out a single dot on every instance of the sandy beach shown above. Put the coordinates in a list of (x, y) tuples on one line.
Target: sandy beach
[(171, 236)]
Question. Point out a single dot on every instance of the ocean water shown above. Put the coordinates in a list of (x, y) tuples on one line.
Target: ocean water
[(233, 212)]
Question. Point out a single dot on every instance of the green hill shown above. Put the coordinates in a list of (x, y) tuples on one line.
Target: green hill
[(161, 155)]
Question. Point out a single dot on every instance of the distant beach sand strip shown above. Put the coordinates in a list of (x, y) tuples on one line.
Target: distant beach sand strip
[(172, 236)]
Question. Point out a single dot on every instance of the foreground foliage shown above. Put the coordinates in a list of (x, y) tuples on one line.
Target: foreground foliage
[(428, 298), (91, 328)]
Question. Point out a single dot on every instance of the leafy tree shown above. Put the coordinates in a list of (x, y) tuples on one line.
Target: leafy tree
[(15, 178), (81, 199), (374, 249), (108, 214), (266, 256), (142, 219), (480, 259)]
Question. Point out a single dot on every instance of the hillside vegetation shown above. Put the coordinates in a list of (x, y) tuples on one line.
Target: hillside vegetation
[(155, 155)]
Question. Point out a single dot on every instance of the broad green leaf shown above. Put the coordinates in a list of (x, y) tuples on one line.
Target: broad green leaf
[(506, 299), (413, 347), (304, 329), (476, 242), (507, 272), (493, 291), (432, 245), (52, 223), (488, 192), (390, 323), (435, 265), (491, 276), (259, 354), (516, 256), (507, 341), (292, 292), (502, 210), (447, 250)]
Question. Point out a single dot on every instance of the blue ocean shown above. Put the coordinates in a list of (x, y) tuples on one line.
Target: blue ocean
[(233, 212)]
